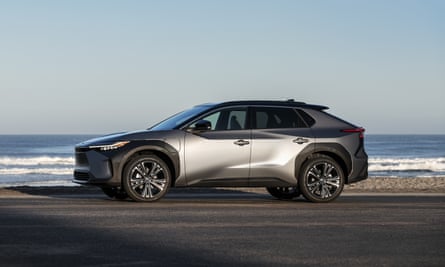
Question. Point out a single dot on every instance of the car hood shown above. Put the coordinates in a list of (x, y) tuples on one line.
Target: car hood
[(124, 136)]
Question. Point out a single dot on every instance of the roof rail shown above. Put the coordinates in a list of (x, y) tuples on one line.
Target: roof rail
[(289, 103)]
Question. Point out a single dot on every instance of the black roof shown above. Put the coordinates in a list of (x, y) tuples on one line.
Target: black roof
[(286, 103)]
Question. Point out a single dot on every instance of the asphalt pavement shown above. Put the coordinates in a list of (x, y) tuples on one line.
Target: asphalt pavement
[(221, 228)]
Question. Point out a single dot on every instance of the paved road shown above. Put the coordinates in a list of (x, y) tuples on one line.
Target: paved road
[(222, 229)]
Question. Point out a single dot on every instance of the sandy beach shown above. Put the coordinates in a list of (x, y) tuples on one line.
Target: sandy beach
[(370, 185), (399, 185)]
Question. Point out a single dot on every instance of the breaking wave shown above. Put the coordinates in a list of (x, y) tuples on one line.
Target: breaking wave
[(36, 171), (428, 165), (35, 166), (36, 161)]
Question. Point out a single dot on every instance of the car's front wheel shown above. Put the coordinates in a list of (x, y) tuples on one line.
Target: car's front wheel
[(321, 179), (284, 192), (146, 178)]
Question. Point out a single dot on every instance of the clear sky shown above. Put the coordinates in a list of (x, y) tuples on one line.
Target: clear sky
[(106, 66)]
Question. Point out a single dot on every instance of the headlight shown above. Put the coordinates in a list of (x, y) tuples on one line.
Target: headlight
[(111, 146)]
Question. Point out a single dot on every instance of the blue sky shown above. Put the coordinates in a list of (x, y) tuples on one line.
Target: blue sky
[(106, 66)]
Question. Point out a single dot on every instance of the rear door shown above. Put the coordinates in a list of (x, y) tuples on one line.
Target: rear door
[(278, 136)]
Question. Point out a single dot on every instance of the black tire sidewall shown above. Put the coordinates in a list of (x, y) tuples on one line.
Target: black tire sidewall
[(126, 179), (302, 180)]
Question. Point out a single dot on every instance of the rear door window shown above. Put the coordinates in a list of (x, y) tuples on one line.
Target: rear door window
[(277, 117)]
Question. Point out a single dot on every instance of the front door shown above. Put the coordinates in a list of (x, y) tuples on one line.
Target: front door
[(220, 155)]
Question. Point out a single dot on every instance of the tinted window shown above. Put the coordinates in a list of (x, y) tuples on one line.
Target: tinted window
[(177, 119), (308, 119), (269, 117), (227, 119)]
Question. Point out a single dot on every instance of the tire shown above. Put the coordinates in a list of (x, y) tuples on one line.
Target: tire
[(115, 192), (146, 178), (321, 179), (284, 192)]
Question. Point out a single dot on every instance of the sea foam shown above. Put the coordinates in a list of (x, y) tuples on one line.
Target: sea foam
[(36, 161), (406, 164), (35, 171)]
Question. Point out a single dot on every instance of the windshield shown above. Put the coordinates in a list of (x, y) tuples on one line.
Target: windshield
[(178, 119)]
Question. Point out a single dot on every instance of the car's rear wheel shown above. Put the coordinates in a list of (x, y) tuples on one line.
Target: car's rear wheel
[(284, 192), (146, 178), (115, 192), (321, 179)]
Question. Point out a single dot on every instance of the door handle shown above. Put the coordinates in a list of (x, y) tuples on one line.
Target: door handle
[(241, 142), (300, 140)]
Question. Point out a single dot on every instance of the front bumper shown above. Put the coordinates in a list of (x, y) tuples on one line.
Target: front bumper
[(92, 167)]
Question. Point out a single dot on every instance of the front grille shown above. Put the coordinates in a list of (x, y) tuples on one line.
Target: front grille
[(83, 176)]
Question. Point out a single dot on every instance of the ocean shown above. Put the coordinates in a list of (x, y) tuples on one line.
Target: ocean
[(46, 160), (37, 160)]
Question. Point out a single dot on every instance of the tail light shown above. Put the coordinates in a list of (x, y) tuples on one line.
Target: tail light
[(355, 130)]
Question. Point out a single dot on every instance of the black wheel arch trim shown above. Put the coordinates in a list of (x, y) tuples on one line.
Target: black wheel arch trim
[(162, 149), (333, 150)]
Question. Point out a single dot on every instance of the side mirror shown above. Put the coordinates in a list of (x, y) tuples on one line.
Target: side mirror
[(202, 125)]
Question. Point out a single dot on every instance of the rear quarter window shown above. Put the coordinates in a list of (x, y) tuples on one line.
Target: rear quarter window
[(306, 117), (324, 119)]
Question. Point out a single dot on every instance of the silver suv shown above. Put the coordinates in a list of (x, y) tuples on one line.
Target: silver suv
[(289, 147)]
